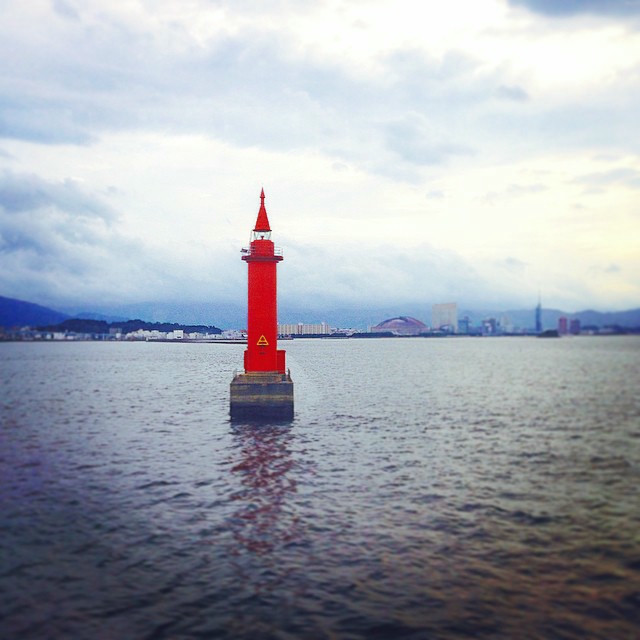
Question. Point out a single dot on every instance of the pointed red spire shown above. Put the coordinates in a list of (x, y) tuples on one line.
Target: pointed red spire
[(262, 223)]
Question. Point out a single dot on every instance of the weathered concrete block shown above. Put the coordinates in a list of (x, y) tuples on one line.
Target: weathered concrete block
[(259, 395)]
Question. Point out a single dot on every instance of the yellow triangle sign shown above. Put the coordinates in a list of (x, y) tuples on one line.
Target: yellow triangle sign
[(262, 342)]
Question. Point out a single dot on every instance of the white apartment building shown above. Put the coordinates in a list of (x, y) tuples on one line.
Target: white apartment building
[(302, 329)]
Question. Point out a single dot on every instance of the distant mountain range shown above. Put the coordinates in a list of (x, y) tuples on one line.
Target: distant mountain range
[(21, 313)]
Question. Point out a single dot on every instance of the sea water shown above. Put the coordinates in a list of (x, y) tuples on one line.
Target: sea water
[(443, 488)]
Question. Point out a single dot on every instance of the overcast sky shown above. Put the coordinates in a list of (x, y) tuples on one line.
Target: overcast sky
[(478, 151)]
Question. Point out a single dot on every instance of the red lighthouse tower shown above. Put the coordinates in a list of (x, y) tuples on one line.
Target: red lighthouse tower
[(262, 257), (265, 390)]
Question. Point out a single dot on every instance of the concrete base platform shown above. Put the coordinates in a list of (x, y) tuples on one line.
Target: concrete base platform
[(262, 395)]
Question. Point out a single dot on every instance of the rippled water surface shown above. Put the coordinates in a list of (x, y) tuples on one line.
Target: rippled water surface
[(450, 488)]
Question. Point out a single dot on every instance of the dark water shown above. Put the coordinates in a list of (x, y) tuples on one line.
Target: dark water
[(454, 488)]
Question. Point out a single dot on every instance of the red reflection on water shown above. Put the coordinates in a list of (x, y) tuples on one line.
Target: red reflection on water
[(264, 519)]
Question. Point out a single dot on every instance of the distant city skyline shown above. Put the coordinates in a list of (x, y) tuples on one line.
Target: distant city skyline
[(410, 152), (20, 320), (20, 313)]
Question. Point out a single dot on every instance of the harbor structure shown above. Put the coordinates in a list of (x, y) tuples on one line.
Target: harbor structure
[(265, 389)]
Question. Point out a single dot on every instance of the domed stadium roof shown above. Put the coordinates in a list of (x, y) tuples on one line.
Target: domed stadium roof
[(402, 326)]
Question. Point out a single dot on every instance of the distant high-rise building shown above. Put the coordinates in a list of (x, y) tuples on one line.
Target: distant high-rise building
[(445, 317), (506, 325), (562, 326), (574, 327), (490, 326), (539, 317)]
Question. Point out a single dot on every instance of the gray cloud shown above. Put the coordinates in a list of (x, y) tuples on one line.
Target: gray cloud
[(50, 227), (567, 126), (513, 264), (23, 192), (513, 191), (518, 94), (417, 142), (60, 242), (55, 251), (65, 10), (78, 73), (621, 176), (353, 275), (574, 7), (59, 245), (246, 89), (51, 121), (516, 190), (607, 269)]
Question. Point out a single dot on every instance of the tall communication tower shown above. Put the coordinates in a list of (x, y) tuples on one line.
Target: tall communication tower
[(539, 316)]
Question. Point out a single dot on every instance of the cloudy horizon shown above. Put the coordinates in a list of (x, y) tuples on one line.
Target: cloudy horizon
[(410, 152)]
